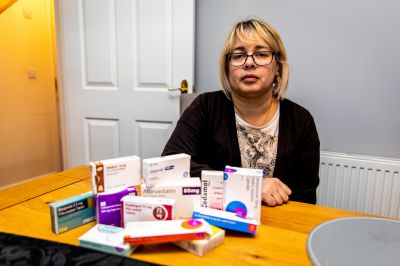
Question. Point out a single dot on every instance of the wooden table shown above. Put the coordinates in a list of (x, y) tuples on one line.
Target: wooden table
[(280, 240)]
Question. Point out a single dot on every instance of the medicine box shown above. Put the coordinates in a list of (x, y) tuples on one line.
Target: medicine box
[(166, 168), (226, 220), (135, 209), (115, 174), (243, 189), (108, 206), (204, 246), (212, 189), (166, 231), (186, 192), (108, 239), (72, 212)]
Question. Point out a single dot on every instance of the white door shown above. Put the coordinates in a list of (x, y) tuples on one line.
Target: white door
[(117, 59)]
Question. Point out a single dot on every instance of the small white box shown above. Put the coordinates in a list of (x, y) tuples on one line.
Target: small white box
[(108, 239), (212, 189), (166, 231), (115, 174), (186, 192), (203, 246), (139, 209), (166, 168), (243, 189)]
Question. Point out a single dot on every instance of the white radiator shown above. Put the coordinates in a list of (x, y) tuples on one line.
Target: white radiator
[(360, 183)]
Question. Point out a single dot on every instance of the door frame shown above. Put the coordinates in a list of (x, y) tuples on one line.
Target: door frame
[(62, 106)]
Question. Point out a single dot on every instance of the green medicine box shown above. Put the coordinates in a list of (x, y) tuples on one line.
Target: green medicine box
[(72, 212)]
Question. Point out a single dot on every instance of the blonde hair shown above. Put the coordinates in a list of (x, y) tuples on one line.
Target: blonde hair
[(243, 31)]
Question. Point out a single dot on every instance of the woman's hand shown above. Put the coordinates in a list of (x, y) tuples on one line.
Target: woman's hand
[(275, 192)]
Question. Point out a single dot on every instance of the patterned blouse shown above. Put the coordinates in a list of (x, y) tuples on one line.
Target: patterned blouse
[(258, 145)]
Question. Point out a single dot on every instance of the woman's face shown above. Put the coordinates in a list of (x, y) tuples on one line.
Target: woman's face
[(252, 80)]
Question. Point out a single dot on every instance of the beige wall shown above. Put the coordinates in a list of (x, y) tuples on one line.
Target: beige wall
[(29, 143)]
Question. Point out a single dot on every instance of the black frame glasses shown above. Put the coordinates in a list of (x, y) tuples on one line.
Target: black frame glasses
[(257, 58)]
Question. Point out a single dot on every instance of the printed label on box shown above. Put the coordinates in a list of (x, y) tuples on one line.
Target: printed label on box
[(166, 168), (106, 238), (72, 212), (146, 209), (109, 206), (226, 220), (166, 231), (115, 174), (212, 186), (243, 189), (186, 192)]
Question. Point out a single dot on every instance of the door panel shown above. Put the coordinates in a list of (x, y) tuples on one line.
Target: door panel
[(118, 59), (151, 136), (105, 133), (99, 27), (153, 44)]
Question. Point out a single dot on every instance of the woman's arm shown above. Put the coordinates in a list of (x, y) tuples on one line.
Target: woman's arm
[(306, 164), (297, 163)]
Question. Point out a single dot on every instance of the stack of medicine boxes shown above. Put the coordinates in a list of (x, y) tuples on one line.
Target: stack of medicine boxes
[(122, 201), (111, 181), (229, 200)]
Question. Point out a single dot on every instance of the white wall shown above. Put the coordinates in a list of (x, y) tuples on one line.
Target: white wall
[(344, 58)]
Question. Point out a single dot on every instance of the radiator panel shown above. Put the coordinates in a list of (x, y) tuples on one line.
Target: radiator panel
[(360, 183)]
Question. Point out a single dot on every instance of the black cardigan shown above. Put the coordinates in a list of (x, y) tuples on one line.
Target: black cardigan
[(207, 132)]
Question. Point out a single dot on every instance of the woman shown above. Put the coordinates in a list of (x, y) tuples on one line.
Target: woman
[(250, 124)]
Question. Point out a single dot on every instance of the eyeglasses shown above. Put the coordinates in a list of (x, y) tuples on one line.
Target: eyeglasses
[(260, 58)]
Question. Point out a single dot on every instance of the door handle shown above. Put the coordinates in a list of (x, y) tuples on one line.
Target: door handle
[(184, 87)]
